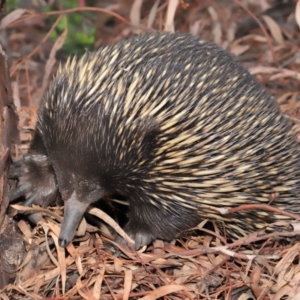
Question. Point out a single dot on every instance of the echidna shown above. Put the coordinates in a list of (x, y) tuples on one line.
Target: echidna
[(175, 125)]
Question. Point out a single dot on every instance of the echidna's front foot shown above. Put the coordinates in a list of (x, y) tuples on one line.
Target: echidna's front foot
[(37, 181), (141, 236), (140, 239)]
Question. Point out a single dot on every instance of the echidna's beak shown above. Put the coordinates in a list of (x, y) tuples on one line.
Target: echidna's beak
[(73, 213)]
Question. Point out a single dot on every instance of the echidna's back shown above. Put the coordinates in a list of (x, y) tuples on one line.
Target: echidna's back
[(181, 118)]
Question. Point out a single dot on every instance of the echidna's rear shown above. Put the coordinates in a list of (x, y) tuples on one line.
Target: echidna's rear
[(174, 124)]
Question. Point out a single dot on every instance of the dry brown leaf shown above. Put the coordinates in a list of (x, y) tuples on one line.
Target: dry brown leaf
[(255, 279), (217, 29), (135, 13), (264, 4), (25, 229), (11, 17), (184, 273), (246, 296), (3, 296), (296, 226), (49, 65), (62, 262), (118, 264), (27, 117), (164, 263), (171, 10), (274, 29), (163, 291), (127, 284), (239, 49), (15, 94), (82, 227), (158, 247), (296, 296), (98, 283), (196, 27), (71, 249), (50, 254), (83, 291), (263, 70), (252, 37), (26, 259), (37, 208), (283, 291), (284, 97), (287, 259), (284, 73), (47, 275), (152, 14), (248, 266), (215, 259), (297, 13), (107, 219), (38, 285), (30, 295)]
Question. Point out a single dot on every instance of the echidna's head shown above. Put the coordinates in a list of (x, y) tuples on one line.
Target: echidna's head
[(95, 144)]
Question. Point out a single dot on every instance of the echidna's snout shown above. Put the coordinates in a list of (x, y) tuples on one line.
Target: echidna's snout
[(73, 213)]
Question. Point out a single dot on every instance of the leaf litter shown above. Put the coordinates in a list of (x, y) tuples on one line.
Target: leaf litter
[(259, 266)]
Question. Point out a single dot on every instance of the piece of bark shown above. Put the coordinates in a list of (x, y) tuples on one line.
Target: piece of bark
[(8, 130), (12, 251), (11, 242)]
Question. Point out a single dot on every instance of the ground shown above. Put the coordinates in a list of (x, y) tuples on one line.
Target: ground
[(264, 35)]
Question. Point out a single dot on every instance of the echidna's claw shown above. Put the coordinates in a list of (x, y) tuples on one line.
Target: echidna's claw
[(29, 201), (20, 191), (37, 182)]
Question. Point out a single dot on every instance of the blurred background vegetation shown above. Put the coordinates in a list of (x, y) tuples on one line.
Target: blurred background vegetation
[(80, 25)]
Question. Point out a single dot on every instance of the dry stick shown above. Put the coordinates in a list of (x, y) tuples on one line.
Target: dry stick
[(261, 27), (266, 207), (71, 10), (243, 241), (28, 82), (37, 47), (61, 13), (3, 158), (96, 9)]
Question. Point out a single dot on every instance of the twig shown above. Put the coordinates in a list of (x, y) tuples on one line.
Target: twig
[(262, 28)]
